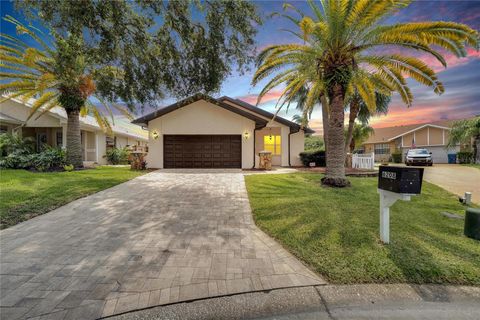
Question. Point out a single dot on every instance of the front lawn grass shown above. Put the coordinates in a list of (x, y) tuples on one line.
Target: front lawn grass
[(25, 194), (335, 231), (473, 165)]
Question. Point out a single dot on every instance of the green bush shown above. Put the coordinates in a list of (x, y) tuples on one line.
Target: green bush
[(68, 167), (314, 143), (397, 157), (465, 157), (13, 143), (117, 156), (313, 156), (48, 159)]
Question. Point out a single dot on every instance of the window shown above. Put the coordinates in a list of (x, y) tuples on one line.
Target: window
[(273, 144), (110, 141), (382, 148), (3, 129), (59, 138)]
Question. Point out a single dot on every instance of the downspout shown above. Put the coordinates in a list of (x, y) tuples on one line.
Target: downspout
[(289, 153)]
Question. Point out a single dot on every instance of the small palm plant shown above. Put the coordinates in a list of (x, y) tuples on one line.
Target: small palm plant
[(343, 53), (466, 131), (55, 73)]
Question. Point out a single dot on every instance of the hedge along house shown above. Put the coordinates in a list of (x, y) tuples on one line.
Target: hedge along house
[(431, 136), (51, 129), (204, 132)]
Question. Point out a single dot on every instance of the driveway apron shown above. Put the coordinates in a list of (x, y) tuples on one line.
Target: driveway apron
[(164, 237)]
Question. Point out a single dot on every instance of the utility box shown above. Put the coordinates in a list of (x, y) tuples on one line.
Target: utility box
[(400, 179)]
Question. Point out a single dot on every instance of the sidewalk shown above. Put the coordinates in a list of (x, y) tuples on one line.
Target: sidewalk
[(391, 301)]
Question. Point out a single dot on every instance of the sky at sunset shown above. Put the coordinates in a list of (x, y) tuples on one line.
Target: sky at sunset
[(461, 78)]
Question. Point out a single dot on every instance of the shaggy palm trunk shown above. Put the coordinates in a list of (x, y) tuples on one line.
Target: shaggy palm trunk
[(354, 108), (335, 171), (323, 101), (74, 141)]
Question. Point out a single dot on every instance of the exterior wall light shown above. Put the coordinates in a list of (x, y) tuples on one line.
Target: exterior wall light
[(246, 135), (155, 134)]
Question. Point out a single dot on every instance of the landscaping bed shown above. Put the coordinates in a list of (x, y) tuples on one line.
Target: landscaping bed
[(335, 231), (25, 194)]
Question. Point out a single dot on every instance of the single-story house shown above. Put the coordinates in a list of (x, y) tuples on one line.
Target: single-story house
[(432, 136), (204, 132), (51, 129)]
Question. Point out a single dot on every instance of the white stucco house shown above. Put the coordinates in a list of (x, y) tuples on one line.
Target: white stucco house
[(51, 129), (204, 132)]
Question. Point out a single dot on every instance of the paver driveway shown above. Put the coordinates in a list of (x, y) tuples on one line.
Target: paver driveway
[(161, 238)]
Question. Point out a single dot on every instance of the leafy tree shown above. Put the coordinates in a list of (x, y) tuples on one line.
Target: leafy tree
[(343, 53), (314, 143), (131, 52), (467, 132)]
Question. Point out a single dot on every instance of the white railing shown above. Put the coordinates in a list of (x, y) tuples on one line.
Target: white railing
[(363, 161)]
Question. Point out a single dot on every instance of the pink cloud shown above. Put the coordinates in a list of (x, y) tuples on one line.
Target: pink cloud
[(273, 95), (450, 58)]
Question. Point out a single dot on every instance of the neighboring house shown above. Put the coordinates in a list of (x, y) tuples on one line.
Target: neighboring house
[(204, 132), (51, 129), (432, 136)]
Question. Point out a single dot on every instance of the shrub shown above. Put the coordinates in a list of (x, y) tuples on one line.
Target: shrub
[(465, 157), (117, 156), (318, 157), (68, 167), (13, 143), (314, 143), (23, 158), (397, 157)]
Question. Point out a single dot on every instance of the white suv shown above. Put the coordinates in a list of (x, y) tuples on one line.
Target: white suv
[(418, 157)]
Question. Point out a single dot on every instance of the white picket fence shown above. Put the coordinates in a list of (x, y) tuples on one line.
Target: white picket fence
[(363, 161)]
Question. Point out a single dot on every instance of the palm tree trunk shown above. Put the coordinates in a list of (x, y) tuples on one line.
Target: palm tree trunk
[(335, 171), (74, 141), (324, 103), (354, 108)]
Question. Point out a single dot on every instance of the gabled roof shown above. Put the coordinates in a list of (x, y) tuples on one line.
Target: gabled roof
[(391, 133), (294, 126), (259, 122)]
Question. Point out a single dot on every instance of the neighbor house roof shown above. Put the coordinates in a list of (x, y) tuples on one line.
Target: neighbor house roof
[(255, 116), (89, 121), (391, 133)]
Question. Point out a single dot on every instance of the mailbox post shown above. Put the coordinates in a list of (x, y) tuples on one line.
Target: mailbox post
[(395, 183)]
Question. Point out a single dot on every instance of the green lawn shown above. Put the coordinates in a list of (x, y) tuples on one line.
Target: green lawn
[(24, 194), (335, 231)]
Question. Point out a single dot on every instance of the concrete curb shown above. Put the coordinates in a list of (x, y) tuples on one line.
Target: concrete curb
[(390, 301)]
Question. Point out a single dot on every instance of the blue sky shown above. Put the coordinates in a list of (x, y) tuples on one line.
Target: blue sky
[(461, 78)]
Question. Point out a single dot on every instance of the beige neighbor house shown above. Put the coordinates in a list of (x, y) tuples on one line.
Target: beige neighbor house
[(432, 136), (204, 132), (51, 129)]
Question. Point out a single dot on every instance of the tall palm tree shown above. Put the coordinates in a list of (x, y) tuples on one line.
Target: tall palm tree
[(466, 131), (54, 74), (340, 56)]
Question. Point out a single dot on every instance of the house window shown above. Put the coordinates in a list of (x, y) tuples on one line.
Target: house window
[(3, 129), (382, 148), (110, 142), (273, 144), (59, 138)]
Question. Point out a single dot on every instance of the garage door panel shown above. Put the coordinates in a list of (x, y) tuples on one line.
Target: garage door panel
[(202, 151)]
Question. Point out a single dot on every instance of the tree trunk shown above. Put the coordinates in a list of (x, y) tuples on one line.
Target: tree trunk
[(324, 103), (476, 149), (335, 171), (354, 108), (74, 140)]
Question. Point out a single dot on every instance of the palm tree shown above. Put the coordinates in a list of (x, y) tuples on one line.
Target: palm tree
[(55, 74), (358, 109), (466, 131), (360, 134), (338, 57)]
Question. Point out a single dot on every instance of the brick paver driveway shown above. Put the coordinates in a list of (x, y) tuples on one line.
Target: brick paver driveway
[(161, 238)]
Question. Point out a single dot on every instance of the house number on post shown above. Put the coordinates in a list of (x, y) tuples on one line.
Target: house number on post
[(395, 183)]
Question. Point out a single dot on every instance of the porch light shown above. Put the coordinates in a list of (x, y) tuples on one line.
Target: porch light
[(155, 134), (246, 135)]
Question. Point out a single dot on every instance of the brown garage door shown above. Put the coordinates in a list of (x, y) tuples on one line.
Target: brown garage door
[(202, 151)]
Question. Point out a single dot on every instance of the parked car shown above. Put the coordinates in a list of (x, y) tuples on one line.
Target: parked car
[(418, 157)]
